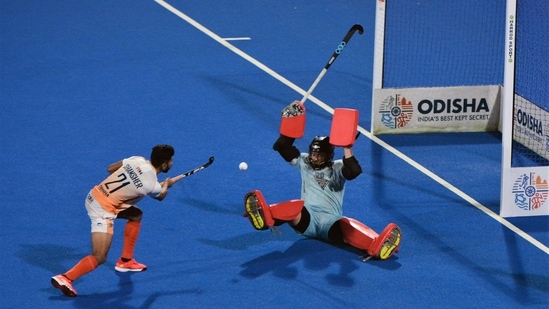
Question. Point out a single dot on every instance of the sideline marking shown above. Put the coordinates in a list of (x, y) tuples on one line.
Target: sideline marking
[(237, 39), (372, 137)]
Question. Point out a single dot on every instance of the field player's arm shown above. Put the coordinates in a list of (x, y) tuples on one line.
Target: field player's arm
[(165, 185), (113, 167)]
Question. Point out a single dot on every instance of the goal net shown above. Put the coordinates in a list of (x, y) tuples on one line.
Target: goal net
[(525, 112), (470, 66), (437, 66)]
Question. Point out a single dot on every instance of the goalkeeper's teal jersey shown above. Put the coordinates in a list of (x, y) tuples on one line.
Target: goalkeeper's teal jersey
[(322, 190)]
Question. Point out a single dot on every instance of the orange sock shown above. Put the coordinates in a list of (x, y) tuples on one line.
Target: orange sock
[(131, 232), (83, 267)]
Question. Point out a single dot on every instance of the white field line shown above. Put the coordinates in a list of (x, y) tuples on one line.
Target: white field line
[(365, 132), (237, 39)]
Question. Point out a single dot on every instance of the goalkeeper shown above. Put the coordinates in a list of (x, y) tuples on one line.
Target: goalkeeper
[(318, 213)]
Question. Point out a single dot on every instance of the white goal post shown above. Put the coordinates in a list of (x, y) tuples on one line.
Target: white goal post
[(419, 107), (524, 190), (408, 96)]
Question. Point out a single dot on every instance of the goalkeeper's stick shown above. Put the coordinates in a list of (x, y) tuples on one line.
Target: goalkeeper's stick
[(339, 49), (193, 171)]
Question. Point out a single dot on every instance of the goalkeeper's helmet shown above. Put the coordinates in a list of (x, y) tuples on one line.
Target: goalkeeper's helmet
[(321, 152)]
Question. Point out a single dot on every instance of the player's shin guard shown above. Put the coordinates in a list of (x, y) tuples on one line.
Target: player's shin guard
[(360, 236), (357, 234), (262, 216), (84, 266)]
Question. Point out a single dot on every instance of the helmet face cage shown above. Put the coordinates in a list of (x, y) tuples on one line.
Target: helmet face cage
[(321, 145)]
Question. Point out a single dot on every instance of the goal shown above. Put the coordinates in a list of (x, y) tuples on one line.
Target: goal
[(437, 66), (470, 66), (525, 112)]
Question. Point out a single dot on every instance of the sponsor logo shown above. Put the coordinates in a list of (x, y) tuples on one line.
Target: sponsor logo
[(547, 138), (396, 112), (531, 128), (529, 122), (530, 191), (453, 106), (511, 39)]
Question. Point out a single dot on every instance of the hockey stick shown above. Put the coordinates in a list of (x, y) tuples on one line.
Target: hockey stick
[(196, 170), (339, 49)]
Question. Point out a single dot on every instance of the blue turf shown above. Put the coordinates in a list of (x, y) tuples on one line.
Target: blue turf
[(85, 83)]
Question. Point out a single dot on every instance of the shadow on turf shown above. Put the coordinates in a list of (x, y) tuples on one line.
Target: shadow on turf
[(117, 298), (121, 298), (52, 257), (315, 256)]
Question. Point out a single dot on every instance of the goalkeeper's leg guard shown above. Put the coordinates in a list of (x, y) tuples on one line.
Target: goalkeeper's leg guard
[(257, 210), (262, 216), (360, 236), (387, 243), (357, 234), (286, 211)]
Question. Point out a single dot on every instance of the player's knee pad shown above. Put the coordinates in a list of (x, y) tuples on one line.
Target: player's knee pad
[(357, 234)]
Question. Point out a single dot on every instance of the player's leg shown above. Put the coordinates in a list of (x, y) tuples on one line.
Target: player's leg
[(263, 216), (126, 262), (64, 281), (101, 235), (101, 243), (301, 222), (360, 236)]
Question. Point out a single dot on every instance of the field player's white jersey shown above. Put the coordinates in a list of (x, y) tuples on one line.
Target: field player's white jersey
[(322, 190), (135, 179)]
